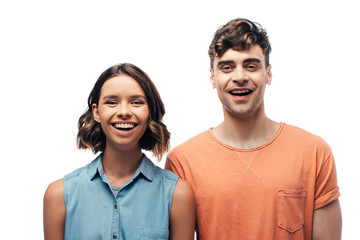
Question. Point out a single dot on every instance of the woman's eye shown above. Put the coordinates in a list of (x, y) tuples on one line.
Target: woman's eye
[(137, 102), (110, 102)]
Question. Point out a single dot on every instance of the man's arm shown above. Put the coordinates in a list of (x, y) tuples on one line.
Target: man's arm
[(327, 222)]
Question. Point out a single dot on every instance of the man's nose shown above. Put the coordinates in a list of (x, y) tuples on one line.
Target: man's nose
[(240, 76)]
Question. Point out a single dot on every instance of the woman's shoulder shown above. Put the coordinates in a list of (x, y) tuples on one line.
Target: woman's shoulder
[(166, 174), (54, 194), (183, 190), (150, 170), (90, 170), (54, 210)]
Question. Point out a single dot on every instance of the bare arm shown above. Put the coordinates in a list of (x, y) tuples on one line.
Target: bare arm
[(54, 211), (182, 213), (327, 222)]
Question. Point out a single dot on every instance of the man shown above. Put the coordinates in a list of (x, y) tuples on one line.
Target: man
[(255, 178)]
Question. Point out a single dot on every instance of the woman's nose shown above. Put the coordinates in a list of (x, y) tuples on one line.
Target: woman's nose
[(123, 111)]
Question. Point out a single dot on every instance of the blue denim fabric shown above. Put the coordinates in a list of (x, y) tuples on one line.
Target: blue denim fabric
[(139, 211)]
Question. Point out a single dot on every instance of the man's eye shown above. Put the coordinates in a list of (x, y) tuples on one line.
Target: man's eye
[(226, 68), (252, 67)]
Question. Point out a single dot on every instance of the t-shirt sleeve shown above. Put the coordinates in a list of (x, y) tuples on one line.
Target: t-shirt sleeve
[(174, 165), (326, 188)]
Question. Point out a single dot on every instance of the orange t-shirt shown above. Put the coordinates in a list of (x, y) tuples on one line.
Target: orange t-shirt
[(268, 192)]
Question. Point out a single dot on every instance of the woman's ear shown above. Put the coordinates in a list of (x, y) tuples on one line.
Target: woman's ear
[(95, 112)]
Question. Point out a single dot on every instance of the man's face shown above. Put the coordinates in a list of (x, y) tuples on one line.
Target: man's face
[(240, 79)]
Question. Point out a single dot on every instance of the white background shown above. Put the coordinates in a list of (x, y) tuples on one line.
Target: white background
[(52, 52)]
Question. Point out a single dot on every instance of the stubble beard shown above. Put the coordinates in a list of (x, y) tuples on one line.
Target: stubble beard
[(243, 111)]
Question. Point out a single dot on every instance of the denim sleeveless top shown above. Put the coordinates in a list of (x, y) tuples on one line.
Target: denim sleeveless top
[(140, 210)]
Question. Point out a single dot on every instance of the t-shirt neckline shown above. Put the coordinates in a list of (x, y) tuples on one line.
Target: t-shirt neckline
[(250, 149)]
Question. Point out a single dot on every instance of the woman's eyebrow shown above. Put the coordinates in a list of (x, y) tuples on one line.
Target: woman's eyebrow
[(115, 96), (109, 97), (138, 96)]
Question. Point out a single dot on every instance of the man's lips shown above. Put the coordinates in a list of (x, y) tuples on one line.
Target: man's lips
[(240, 92)]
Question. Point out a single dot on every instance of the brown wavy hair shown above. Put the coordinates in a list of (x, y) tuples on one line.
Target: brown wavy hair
[(156, 137), (239, 34)]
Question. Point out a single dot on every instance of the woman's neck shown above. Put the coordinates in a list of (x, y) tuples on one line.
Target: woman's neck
[(120, 165)]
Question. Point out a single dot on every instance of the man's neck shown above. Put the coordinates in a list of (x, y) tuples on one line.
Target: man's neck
[(246, 133)]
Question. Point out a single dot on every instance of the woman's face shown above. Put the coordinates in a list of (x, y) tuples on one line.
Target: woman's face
[(122, 111)]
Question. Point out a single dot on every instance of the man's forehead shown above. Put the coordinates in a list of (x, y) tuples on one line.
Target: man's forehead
[(254, 52)]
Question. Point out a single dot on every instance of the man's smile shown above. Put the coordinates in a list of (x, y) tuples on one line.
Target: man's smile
[(241, 92)]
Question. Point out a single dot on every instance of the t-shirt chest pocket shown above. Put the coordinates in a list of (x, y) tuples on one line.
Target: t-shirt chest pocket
[(291, 209)]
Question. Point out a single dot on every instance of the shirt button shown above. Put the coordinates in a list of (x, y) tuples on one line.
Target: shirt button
[(115, 206), (114, 236)]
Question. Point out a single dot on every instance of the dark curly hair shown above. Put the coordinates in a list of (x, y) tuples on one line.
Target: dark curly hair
[(156, 137), (239, 34)]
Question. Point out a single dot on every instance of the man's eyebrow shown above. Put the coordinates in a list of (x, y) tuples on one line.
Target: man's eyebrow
[(224, 62), (248, 60), (252, 60)]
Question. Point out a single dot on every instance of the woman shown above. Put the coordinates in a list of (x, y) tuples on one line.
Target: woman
[(121, 194)]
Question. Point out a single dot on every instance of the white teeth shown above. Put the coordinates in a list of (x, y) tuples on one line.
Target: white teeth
[(124, 125), (240, 91)]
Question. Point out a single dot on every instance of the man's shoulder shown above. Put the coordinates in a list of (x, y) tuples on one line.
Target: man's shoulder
[(301, 135)]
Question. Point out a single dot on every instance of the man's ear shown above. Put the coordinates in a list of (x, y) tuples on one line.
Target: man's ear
[(212, 78), (268, 75), (95, 112)]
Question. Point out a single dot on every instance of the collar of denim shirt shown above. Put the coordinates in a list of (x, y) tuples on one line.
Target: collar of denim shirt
[(146, 168)]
